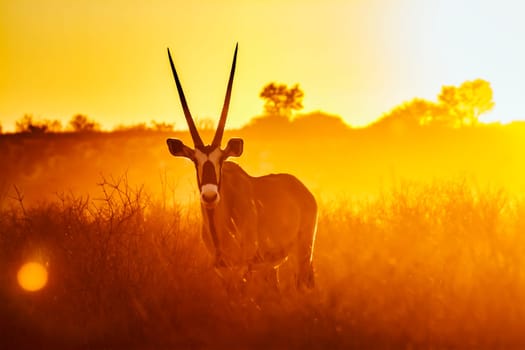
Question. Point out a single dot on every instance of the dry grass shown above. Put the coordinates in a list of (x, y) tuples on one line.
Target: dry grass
[(440, 265)]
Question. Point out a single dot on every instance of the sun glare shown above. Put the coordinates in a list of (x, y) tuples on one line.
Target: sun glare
[(32, 276)]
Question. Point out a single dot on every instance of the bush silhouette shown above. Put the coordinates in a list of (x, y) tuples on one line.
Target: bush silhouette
[(81, 123)]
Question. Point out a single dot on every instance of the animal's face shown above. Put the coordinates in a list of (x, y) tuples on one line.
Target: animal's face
[(208, 162)]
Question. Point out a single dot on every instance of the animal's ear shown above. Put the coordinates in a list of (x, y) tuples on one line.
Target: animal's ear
[(179, 149), (234, 148)]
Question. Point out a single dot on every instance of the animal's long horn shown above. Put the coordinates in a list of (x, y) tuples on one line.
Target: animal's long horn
[(197, 141), (220, 128)]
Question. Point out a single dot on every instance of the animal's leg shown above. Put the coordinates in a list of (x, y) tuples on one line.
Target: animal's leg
[(272, 279), (266, 286), (305, 276)]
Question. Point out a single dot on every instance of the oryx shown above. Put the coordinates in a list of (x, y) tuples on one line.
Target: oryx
[(251, 222)]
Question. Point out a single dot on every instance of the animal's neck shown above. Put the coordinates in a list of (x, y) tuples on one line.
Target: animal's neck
[(218, 217), (210, 216)]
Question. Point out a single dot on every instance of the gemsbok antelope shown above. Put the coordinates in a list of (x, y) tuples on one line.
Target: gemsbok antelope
[(248, 222)]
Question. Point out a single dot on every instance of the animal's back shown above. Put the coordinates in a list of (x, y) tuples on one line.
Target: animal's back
[(273, 191)]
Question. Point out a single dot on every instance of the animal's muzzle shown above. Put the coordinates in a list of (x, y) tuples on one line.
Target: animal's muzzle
[(210, 195), (209, 188)]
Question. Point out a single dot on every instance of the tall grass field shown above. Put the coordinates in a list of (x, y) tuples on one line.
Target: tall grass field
[(435, 265)]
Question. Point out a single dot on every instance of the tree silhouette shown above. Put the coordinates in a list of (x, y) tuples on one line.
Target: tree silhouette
[(464, 105), (27, 125), (281, 100), (162, 126), (456, 107), (412, 114), (81, 123)]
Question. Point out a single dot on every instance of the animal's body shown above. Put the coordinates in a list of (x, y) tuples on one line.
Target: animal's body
[(262, 221), (248, 222)]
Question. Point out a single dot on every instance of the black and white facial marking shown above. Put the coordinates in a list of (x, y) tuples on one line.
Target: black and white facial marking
[(208, 164)]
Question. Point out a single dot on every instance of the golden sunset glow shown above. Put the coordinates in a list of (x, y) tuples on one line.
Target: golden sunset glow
[(356, 59), (32, 276), (367, 191)]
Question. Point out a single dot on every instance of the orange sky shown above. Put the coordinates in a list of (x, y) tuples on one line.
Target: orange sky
[(354, 58)]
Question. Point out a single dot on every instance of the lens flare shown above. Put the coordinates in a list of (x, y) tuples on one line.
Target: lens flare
[(32, 276)]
